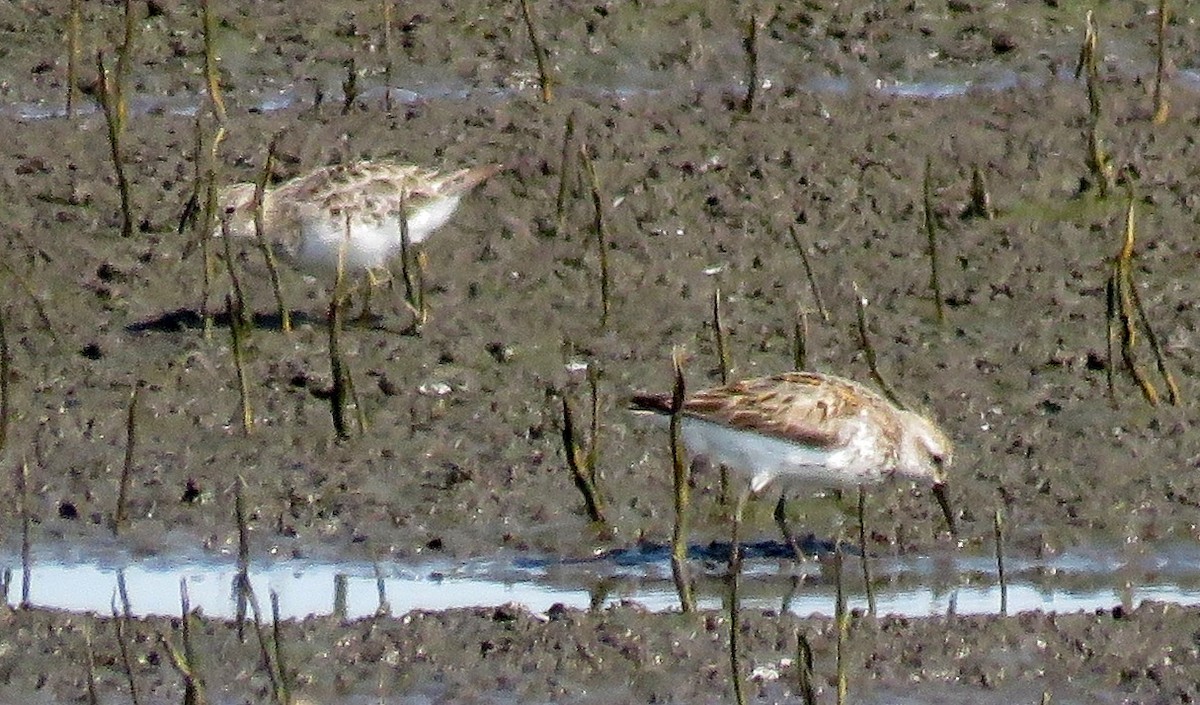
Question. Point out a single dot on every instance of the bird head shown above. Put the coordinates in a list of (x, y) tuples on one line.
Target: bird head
[(925, 454), (235, 206)]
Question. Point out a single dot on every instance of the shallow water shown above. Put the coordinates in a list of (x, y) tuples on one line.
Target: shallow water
[(1068, 582), (934, 84)]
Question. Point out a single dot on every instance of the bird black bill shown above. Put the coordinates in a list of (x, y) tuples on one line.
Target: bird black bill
[(939, 492)]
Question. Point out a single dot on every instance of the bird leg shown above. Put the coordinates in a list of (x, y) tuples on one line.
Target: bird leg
[(735, 553), (735, 570), (781, 521), (372, 280)]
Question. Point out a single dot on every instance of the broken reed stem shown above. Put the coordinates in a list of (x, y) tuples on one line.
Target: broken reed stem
[(111, 102), (285, 688), (120, 515), (38, 307), (593, 454), (545, 81), (233, 310), (360, 413), (1124, 312), (719, 331), (998, 531), (242, 579), (122, 624), (211, 73), (264, 651), (414, 296), (125, 58), (260, 234), (5, 371), (192, 207), (185, 661), (387, 54), (235, 281), (687, 600), (1129, 337), (22, 482), (804, 670), (750, 46), (980, 205), (1161, 108), (89, 660), (1099, 162), (800, 342), (841, 618), (560, 204), (74, 29), (600, 232), (735, 620), (1111, 319), (123, 595), (862, 547), (208, 226), (1160, 360), (422, 272), (243, 529), (121, 105), (1121, 309), (341, 587), (337, 396), (577, 463), (808, 272), (211, 206), (185, 607), (350, 86), (1088, 65), (384, 608), (869, 349), (931, 232)]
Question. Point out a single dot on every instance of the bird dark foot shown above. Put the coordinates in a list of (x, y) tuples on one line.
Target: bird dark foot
[(781, 521)]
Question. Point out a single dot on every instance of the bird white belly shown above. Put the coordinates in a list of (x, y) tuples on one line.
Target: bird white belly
[(763, 458), (370, 245), (431, 216)]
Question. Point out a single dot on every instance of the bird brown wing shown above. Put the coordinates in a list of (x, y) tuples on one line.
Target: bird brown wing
[(803, 408)]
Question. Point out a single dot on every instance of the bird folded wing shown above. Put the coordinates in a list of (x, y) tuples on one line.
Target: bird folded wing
[(785, 419)]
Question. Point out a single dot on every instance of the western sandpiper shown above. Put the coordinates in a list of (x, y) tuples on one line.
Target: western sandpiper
[(305, 219), (814, 429)]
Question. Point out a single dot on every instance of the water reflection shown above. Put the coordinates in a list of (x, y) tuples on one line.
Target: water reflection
[(911, 587)]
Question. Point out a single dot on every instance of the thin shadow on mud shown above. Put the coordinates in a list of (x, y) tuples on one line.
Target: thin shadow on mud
[(184, 319)]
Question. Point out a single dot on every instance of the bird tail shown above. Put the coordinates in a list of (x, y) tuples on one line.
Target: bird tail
[(466, 179), (650, 403)]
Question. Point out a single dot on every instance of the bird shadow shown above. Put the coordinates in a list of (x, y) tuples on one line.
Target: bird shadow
[(651, 552), (184, 319), (718, 551)]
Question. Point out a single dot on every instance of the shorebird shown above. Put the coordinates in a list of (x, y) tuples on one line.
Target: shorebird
[(808, 428), (351, 213)]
